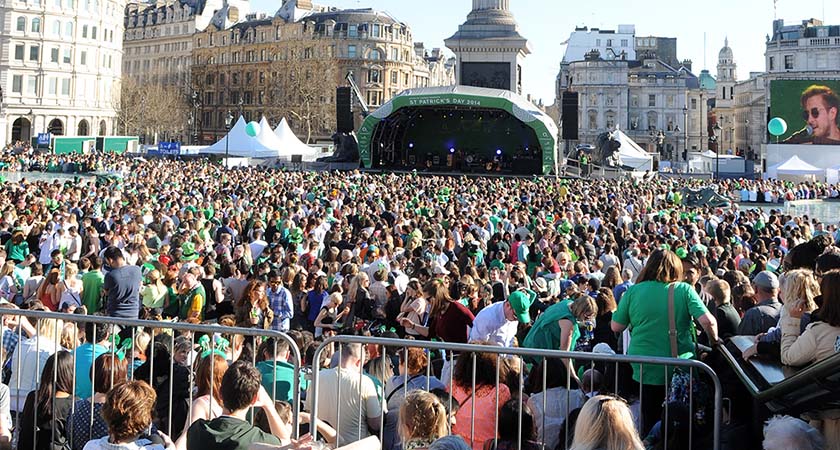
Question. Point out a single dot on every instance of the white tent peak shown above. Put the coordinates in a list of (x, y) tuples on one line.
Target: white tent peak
[(290, 144)]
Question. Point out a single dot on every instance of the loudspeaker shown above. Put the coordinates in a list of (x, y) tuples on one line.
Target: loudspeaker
[(569, 115), (345, 122)]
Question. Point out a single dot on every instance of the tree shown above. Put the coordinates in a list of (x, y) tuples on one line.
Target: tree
[(152, 109), (304, 78)]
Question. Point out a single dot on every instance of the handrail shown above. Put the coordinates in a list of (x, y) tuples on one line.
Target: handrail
[(519, 351), (179, 326)]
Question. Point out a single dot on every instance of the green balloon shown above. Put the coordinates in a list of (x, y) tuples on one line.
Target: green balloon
[(777, 126), (252, 129)]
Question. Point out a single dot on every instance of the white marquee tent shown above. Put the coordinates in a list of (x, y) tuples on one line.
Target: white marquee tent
[(631, 154), (794, 167), (289, 144), (238, 144)]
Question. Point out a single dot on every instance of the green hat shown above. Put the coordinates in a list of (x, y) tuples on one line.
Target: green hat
[(296, 235), (497, 264), (520, 302), (188, 252), (682, 252)]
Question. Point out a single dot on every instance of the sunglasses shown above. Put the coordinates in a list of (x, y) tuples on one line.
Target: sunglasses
[(815, 113)]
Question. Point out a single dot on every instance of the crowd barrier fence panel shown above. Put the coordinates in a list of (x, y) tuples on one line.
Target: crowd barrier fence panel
[(53, 323), (693, 368)]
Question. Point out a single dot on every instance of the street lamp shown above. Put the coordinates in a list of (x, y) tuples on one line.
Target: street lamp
[(685, 128), (228, 122), (195, 117), (717, 129), (747, 151)]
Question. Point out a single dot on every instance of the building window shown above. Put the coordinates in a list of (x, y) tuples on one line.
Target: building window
[(17, 83), (772, 63), (375, 54), (208, 98), (597, 42), (84, 31), (21, 24), (593, 120), (788, 62), (624, 43), (694, 103), (83, 58), (32, 85), (374, 98), (36, 25), (56, 30), (353, 31), (376, 30), (19, 49), (52, 86), (93, 32), (65, 86), (68, 56), (651, 100), (394, 77), (54, 55), (351, 51), (634, 100), (609, 44), (374, 76), (395, 54)]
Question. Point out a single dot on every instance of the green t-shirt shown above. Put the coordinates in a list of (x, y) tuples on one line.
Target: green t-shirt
[(282, 378), (226, 433), (545, 334), (91, 290), (644, 307)]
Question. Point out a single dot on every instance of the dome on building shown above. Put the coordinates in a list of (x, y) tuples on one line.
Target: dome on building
[(725, 54)]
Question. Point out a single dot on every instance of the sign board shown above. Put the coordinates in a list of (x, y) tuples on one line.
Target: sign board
[(43, 139), (167, 149)]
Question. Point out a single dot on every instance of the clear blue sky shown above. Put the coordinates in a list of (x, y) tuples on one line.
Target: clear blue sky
[(547, 23)]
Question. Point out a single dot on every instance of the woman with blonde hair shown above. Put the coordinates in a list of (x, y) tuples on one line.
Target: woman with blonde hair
[(557, 327), (70, 290), (605, 423), (799, 288), (154, 293), (422, 421), (29, 358)]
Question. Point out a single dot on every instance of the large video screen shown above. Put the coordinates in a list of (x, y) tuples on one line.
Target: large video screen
[(486, 75), (811, 109)]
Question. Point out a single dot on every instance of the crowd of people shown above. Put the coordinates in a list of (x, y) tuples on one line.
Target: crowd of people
[(608, 267)]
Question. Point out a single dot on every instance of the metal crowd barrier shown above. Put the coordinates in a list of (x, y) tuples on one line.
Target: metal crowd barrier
[(44, 322), (403, 345)]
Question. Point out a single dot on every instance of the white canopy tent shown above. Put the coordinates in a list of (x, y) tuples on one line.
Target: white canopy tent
[(238, 144), (632, 154), (832, 175), (794, 167), (290, 145)]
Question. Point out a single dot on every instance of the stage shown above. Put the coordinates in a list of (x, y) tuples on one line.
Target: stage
[(459, 129)]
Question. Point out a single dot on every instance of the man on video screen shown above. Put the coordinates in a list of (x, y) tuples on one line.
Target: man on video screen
[(820, 106)]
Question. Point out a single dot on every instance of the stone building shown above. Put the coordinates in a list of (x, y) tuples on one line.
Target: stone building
[(61, 61), (278, 67), (727, 77)]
